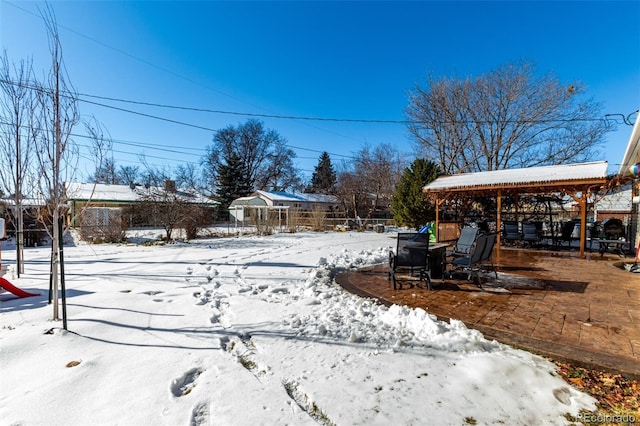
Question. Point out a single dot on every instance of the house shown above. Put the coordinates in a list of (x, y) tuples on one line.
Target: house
[(616, 205), (632, 158), (282, 207), (103, 205)]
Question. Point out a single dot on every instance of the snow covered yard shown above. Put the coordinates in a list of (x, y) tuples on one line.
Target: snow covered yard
[(252, 330)]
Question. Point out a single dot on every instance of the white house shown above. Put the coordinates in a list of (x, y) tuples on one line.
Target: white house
[(261, 203), (632, 157)]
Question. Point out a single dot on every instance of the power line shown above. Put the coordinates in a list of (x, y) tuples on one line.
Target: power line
[(122, 52), (248, 114), (244, 114), (73, 96), (182, 123), (77, 97), (163, 147)]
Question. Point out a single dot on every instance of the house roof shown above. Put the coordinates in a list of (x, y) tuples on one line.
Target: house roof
[(297, 197), (101, 192), (26, 202), (125, 193), (632, 153), (248, 201), (280, 196), (538, 177)]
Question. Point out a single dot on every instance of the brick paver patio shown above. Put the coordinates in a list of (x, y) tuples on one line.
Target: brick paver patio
[(552, 303)]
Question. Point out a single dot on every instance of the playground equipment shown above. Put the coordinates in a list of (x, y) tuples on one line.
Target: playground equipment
[(15, 290)]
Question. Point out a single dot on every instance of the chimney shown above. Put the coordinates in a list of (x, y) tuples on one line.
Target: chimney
[(169, 185)]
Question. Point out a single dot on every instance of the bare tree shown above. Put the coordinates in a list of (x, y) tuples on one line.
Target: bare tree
[(56, 155), (351, 191), (101, 144), (172, 203), (106, 174), (280, 173), (369, 181), (380, 169), (164, 205), (17, 132), (504, 119), (128, 174), (263, 156), (189, 176)]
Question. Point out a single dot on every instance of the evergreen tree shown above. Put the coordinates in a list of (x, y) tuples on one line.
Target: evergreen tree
[(323, 180), (233, 180), (408, 205)]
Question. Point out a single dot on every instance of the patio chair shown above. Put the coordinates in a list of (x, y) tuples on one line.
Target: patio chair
[(486, 260), (412, 254), (569, 233), (511, 233), (530, 234), (478, 260), (464, 244)]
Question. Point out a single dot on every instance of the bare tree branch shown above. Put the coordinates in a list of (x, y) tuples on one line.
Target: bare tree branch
[(503, 119)]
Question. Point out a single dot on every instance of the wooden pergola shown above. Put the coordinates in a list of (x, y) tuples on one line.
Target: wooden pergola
[(578, 181)]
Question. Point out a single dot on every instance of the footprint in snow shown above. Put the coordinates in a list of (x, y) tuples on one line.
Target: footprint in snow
[(152, 292), (184, 385), (203, 297), (200, 414)]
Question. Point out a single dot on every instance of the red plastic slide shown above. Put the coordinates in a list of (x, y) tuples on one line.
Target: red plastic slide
[(15, 290)]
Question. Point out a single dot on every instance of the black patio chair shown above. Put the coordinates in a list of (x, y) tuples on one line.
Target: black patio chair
[(486, 260), (463, 245), (412, 255), (465, 242), (511, 234), (471, 264), (570, 232), (530, 234)]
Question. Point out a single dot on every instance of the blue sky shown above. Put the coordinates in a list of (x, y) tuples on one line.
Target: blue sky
[(349, 60)]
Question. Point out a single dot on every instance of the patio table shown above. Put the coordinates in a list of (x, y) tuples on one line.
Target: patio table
[(612, 246)]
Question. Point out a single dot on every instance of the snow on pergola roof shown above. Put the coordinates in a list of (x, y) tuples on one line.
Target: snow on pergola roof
[(522, 178)]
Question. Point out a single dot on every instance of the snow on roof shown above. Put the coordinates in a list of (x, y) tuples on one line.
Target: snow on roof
[(101, 192), (280, 196), (321, 198), (26, 202), (525, 176), (106, 192), (300, 197), (248, 201)]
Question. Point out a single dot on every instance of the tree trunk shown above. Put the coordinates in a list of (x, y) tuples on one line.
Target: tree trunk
[(55, 253)]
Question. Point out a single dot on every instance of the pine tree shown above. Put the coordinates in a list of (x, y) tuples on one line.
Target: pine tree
[(323, 180), (408, 205), (233, 180)]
